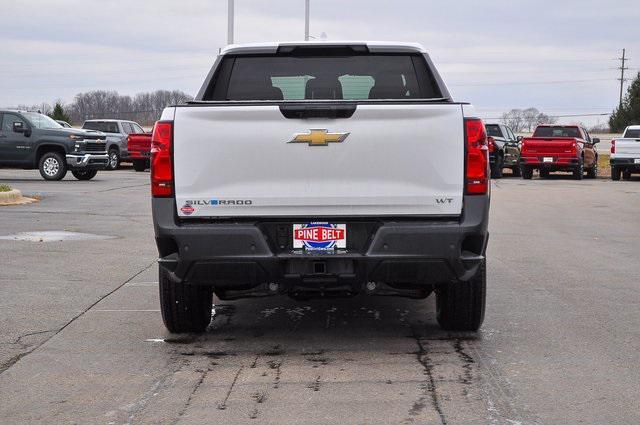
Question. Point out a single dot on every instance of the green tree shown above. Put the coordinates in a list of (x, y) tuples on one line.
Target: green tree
[(629, 112), (59, 113)]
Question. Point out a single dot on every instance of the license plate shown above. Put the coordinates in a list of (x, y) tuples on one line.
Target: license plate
[(319, 236), (636, 161), (547, 159)]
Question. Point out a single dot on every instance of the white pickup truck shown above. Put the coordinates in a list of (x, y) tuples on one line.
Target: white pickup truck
[(319, 169), (625, 154)]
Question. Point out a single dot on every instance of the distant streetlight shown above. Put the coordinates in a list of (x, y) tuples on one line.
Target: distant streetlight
[(306, 20), (230, 18)]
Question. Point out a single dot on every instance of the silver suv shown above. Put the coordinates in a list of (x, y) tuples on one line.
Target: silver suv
[(117, 132)]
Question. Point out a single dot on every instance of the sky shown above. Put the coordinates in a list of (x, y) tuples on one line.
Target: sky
[(557, 56)]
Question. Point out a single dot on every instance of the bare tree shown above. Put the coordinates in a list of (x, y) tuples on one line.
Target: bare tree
[(530, 116), (144, 108), (520, 120), (513, 119)]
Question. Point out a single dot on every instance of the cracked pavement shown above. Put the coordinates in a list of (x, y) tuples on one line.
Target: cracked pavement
[(82, 341)]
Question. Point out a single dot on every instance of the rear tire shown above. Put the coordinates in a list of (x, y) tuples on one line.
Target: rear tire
[(516, 171), (460, 305), (615, 173), (578, 172), (527, 173), (140, 164), (185, 308), (84, 174), (52, 166)]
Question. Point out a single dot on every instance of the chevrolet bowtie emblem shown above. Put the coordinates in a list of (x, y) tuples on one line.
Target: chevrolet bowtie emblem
[(319, 137)]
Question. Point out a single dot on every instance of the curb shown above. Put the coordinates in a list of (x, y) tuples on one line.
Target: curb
[(14, 197)]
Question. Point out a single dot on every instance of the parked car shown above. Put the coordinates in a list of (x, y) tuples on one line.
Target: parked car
[(139, 146), (117, 132), (32, 140), (64, 123), (504, 150), (559, 148), (297, 190), (625, 154)]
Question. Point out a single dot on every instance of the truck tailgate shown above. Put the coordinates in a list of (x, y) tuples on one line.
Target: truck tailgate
[(628, 148), (548, 146), (394, 160)]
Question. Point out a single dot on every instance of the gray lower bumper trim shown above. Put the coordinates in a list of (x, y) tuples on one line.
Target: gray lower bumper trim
[(82, 161)]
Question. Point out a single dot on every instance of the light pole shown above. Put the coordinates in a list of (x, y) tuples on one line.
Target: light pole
[(230, 22), (306, 20)]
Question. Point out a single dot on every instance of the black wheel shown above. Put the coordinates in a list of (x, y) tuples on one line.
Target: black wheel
[(185, 308), (527, 173), (516, 171), (52, 166), (592, 172), (578, 172), (114, 160), (140, 164), (84, 174), (460, 305), (496, 170), (615, 173), (626, 175), (544, 174)]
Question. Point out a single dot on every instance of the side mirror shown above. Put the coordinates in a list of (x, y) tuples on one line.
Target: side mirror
[(595, 140), (18, 127)]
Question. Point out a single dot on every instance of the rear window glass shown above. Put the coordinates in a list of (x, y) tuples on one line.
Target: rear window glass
[(493, 130), (557, 132), (358, 77), (104, 126), (632, 134)]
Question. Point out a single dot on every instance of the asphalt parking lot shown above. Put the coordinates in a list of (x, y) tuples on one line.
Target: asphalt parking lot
[(82, 341)]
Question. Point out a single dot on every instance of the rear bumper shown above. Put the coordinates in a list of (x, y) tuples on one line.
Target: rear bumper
[(139, 154), (399, 251), (558, 163), (87, 161), (626, 163), (492, 159)]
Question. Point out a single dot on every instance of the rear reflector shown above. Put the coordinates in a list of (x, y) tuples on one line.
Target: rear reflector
[(613, 146), (491, 144), (161, 161), (477, 172)]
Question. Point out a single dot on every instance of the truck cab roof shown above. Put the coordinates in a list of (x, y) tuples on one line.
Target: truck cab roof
[(371, 46)]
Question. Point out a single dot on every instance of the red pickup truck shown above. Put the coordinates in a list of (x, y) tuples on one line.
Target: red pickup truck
[(559, 148), (139, 146)]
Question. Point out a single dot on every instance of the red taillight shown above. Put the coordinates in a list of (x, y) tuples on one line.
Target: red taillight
[(613, 146), (161, 162), (477, 172), (491, 144)]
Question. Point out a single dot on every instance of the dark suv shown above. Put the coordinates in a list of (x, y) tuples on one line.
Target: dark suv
[(504, 150), (32, 140)]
